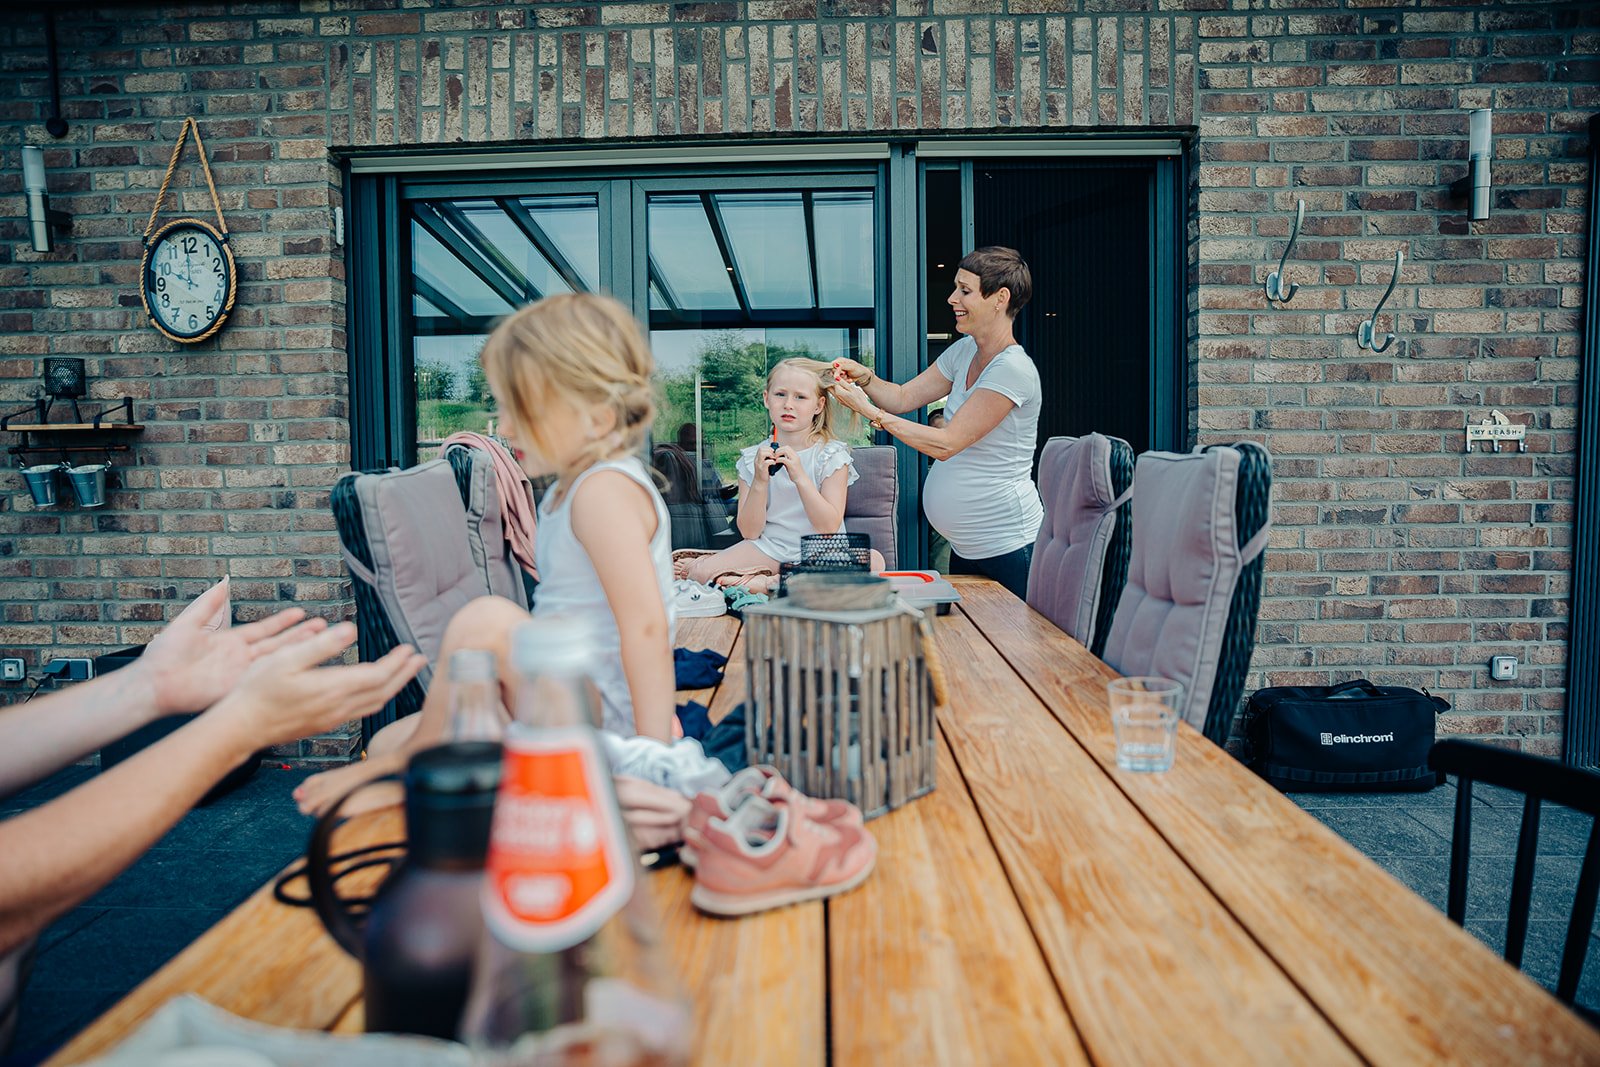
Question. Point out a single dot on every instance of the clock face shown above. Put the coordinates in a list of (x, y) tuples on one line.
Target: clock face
[(188, 280)]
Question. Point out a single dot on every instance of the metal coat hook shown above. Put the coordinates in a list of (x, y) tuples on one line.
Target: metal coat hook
[(1365, 331), (1275, 279)]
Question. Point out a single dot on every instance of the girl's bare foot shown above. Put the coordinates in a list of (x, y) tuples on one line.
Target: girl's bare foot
[(320, 792)]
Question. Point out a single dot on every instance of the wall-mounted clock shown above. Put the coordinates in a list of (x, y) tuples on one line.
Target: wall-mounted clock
[(189, 280)]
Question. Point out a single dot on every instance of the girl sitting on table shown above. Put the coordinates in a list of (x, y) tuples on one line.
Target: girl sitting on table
[(571, 377), (792, 484)]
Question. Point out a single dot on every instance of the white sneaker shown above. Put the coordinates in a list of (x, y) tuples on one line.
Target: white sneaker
[(695, 600)]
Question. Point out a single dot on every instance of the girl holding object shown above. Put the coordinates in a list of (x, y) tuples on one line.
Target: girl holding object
[(571, 377), (793, 484)]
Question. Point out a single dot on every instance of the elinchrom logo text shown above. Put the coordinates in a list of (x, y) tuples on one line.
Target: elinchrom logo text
[(1355, 739)]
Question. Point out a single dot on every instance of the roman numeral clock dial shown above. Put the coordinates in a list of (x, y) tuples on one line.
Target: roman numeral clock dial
[(190, 280)]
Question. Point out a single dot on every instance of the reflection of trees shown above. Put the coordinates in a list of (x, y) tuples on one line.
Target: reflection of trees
[(733, 372), (435, 380), (452, 394)]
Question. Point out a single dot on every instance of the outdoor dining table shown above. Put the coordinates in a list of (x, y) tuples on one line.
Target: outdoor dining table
[(1041, 906)]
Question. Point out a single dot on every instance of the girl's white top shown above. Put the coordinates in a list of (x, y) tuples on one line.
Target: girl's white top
[(982, 499), (569, 585), (786, 513)]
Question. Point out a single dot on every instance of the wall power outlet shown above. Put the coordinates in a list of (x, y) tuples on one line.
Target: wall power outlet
[(70, 669)]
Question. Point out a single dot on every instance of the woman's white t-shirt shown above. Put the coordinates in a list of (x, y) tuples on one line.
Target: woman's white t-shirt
[(786, 512), (569, 585), (982, 499)]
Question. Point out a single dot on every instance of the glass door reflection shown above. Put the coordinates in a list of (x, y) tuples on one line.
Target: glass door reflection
[(739, 280), (473, 262)]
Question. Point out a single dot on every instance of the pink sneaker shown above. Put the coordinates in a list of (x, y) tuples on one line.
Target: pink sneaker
[(763, 781), (766, 855)]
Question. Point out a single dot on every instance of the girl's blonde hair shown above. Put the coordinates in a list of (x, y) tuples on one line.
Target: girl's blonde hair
[(580, 349), (824, 427)]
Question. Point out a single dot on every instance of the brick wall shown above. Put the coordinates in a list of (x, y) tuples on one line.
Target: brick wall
[(1396, 555)]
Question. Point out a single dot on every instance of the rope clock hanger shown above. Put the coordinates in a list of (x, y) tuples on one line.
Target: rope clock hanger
[(188, 276)]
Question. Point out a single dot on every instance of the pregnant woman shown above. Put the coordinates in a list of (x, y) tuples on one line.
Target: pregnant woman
[(980, 494)]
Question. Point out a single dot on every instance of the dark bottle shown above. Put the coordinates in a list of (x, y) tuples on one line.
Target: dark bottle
[(426, 920)]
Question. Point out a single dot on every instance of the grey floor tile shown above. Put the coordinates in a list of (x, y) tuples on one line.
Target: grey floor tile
[(1541, 956), (1428, 877), (1442, 795), (121, 948), (69, 925), (1383, 830), (1495, 830), (45, 791), (50, 1018)]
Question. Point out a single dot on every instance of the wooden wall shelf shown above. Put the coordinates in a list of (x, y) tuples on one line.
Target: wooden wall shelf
[(75, 427)]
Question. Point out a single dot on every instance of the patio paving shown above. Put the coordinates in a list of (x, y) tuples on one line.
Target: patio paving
[(218, 855)]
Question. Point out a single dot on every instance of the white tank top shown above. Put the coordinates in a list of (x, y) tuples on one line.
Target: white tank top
[(569, 585)]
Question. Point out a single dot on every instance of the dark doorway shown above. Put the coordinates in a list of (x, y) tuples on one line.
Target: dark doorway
[(1087, 231)]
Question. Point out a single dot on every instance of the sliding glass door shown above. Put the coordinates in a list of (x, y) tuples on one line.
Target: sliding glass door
[(732, 269)]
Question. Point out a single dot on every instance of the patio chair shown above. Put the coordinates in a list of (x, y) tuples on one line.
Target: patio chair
[(1537, 780), (1080, 562), (419, 544), (1188, 611), (874, 500)]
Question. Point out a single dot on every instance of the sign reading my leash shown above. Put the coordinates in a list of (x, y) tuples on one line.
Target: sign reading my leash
[(1496, 428)]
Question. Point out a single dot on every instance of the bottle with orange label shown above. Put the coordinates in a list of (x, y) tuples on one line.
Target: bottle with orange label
[(568, 969)]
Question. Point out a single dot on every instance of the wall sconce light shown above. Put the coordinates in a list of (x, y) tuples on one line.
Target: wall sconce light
[(1480, 151), (41, 217)]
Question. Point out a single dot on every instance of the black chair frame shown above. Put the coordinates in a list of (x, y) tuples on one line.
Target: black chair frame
[(1114, 574), (1538, 780), (1252, 509)]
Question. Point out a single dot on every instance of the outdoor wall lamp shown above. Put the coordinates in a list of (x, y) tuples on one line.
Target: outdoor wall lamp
[(41, 217), (1480, 151)]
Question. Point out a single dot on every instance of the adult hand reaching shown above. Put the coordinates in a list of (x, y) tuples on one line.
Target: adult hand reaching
[(284, 695), (855, 398), (858, 373), (200, 655)]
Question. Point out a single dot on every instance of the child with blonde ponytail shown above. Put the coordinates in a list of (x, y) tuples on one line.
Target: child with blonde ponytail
[(793, 483), (571, 376)]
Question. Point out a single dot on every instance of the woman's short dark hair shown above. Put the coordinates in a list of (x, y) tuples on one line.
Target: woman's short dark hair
[(999, 267)]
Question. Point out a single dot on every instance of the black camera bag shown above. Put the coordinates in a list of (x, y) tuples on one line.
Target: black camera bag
[(1353, 737)]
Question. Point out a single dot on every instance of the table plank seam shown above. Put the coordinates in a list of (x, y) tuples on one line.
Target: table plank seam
[(1039, 946)]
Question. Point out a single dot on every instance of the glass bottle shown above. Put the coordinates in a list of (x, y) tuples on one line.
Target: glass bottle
[(568, 971), (475, 709), (423, 931)]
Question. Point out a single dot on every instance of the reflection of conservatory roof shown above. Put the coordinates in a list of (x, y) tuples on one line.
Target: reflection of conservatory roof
[(477, 260), (712, 259)]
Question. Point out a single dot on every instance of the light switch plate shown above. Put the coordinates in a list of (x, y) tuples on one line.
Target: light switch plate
[(1503, 668), (12, 669)]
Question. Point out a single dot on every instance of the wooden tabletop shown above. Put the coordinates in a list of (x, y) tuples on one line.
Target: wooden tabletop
[(1040, 906)]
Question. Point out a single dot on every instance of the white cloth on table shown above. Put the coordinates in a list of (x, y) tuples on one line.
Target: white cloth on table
[(682, 766)]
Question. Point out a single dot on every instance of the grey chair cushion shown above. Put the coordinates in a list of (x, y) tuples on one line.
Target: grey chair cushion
[(1186, 562), (1080, 517), (423, 545), (873, 504)]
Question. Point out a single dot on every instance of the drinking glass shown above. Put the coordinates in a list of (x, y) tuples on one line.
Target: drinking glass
[(1144, 716)]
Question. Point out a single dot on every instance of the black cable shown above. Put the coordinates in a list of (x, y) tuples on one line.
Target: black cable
[(36, 688)]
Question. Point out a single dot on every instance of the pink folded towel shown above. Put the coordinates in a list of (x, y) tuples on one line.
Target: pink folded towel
[(516, 495)]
